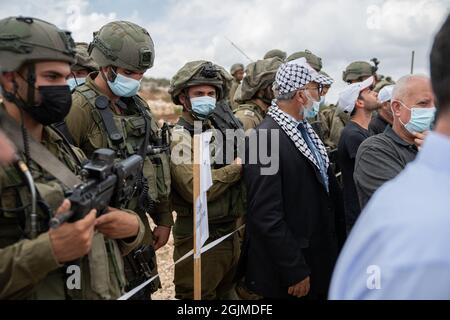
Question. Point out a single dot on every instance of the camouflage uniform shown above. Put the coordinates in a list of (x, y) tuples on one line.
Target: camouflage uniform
[(133, 120), (28, 266), (259, 76), (226, 197)]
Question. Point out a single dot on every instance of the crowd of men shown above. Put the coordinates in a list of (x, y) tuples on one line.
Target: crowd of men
[(63, 101)]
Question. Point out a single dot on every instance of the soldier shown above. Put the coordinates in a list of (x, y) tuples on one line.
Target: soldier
[(84, 65), (257, 92), (275, 53), (107, 112), (335, 122), (36, 58), (237, 71), (197, 86)]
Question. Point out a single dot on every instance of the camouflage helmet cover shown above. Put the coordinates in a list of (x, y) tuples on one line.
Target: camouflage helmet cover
[(358, 69), (200, 72), (313, 60), (83, 60), (385, 81), (123, 44), (24, 39), (259, 75), (275, 53)]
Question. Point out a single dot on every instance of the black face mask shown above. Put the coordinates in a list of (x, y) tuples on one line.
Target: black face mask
[(54, 107)]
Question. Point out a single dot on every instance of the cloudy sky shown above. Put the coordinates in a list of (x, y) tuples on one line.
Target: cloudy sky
[(339, 31)]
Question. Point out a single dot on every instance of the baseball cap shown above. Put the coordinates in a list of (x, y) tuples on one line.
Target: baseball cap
[(348, 97), (385, 94)]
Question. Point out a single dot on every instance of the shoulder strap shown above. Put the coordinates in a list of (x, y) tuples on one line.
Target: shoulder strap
[(114, 135), (40, 154), (148, 127), (102, 115), (186, 125), (62, 129)]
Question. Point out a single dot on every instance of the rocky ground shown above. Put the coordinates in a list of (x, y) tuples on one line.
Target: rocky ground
[(164, 257)]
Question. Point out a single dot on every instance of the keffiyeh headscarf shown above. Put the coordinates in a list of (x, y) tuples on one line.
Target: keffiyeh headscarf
[(296, 74)]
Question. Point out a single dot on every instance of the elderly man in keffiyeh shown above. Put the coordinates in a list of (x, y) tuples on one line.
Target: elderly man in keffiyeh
[(295, 216)]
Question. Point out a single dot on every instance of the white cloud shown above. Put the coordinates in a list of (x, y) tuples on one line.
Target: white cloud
[(339, 31)]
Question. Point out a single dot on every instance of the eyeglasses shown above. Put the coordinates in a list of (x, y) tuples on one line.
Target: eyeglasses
[(319, 88)]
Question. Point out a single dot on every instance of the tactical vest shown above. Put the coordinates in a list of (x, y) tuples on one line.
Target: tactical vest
[(132, 129), (15, 203)]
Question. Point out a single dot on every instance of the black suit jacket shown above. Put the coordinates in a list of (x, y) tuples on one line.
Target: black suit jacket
[(294, 227)]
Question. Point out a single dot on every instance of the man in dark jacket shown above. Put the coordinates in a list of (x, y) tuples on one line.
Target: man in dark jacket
[(295, 218)]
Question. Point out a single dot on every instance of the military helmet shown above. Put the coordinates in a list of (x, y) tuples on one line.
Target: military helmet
[(236, 67), (200, 73), (385, 81), (24, 39), (358, 69), (275, 53), (259, 75), (313, 60), (123, 44), (83, 60)]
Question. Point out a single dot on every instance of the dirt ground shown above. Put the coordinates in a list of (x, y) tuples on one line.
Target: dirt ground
[(164, 258)]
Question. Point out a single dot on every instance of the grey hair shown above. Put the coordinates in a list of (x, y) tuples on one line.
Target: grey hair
[(284, 96), (401, 87)]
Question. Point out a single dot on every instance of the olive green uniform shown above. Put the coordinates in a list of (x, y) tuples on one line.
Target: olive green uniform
[(332, 125), (250, 115), (225, 206), (88, 132), (234, 86), (28, 267)]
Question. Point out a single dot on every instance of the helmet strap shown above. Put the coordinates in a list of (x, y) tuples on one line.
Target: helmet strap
[(31, 80), (13, 97), (188, 106)]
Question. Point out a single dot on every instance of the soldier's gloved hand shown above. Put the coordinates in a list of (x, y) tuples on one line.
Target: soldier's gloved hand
[(71, 241), (160, 236), (117, 224)]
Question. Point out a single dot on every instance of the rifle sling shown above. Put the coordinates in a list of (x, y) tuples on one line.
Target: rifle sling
[(44, 158)]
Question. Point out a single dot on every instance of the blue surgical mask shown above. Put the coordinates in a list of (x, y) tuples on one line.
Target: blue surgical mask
[(312, 110), (124, 86), (421, 119), (203, 106), (75, 82)]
